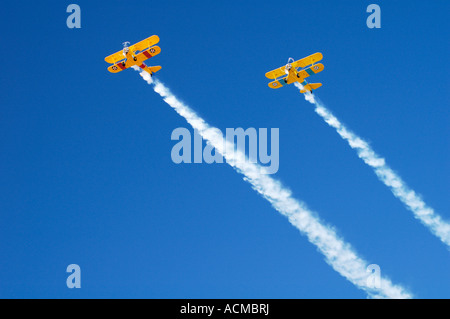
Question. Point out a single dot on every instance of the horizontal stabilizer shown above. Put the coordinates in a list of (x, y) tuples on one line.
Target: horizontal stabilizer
[(310, 86), (154, 69)]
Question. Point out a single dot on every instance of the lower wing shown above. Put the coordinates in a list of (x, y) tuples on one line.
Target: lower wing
[(116, 68), (316, 68), (147, 54), (277, 84)]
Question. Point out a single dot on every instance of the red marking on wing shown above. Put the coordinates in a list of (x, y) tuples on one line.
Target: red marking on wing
[(147, 55)]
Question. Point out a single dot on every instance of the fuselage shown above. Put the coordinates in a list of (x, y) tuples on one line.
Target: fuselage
[(131, 60), (292, 76)]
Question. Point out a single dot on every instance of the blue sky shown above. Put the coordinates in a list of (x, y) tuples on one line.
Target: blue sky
[(87, 177)]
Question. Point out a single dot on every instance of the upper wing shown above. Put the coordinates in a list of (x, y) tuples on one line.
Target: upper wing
[(316, 68), (113, 58), (276, 73), (144, 44), (303, 63)]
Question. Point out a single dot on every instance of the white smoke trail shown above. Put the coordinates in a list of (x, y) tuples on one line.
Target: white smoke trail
[(338, 254), (398, 187)]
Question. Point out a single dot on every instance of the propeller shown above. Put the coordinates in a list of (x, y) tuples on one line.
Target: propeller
[(288, 65)]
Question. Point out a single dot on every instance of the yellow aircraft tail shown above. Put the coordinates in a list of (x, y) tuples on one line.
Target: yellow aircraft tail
[(310, 86), (152, 69)]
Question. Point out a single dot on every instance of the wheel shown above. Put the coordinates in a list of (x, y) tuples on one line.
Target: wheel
[(135, 59), (123, 63)]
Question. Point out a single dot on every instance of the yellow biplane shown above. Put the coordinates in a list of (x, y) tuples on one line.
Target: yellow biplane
[(135, 55), (297, 71)]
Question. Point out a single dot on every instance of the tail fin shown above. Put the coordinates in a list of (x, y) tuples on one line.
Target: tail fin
[(310, 86)]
